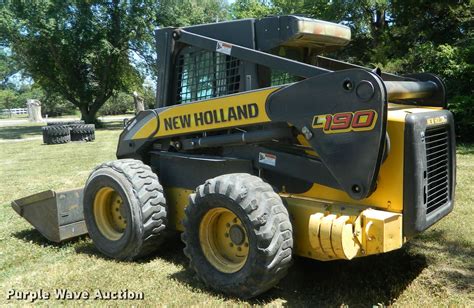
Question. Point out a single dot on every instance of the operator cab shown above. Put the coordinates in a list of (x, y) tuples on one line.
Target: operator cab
[(198, 74)]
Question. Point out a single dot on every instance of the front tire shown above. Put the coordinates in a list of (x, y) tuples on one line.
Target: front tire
[(125, 209), (238, 235)]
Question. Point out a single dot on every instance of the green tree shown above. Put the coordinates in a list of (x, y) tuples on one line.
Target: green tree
[(170, 13), (82, 49), (119, 103), (177, 13), (78, 49), (8, 67), (400, 36), (7, 99), (52, 104), (251, 9), (149, 96)]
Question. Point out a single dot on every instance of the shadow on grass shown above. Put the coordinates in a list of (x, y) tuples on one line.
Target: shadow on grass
[(32, 236), (465, 149), (360, 282), (365, 281), (19, 132), (455, 264), (455, 249), (171, 251)]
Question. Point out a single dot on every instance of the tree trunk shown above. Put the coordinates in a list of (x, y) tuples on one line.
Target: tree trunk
[(378, 26), (88, 115)]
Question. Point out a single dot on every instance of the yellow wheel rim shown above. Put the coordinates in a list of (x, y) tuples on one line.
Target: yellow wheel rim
[(109, 213), (224, 240)]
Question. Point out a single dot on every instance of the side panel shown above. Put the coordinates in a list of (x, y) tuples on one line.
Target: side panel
[(180, 175), (389, 192), (189, 171)]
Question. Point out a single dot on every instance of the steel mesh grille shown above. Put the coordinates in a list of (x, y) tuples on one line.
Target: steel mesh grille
[(204, 74), (437, 160)]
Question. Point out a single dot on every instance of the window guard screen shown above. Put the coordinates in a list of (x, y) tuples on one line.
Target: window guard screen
[(203, 74)]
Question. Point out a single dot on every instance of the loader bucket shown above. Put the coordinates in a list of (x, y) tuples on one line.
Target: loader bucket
[(58, 216)]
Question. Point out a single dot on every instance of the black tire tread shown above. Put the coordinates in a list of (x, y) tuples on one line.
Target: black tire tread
[(56, 139), (82, 128), (56, 130), (271, 223), (148, 190), (56, 134), (82, 137)]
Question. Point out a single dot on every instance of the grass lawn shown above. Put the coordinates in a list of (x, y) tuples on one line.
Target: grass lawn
[(435, 269)]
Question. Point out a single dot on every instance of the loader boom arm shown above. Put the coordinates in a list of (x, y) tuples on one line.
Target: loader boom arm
[(342, 114)]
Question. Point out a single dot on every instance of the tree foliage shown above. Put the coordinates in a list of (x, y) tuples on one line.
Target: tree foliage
[(78, 49), (7, 99), (399, 36), (85, 50), (251, 9), (8, 68)]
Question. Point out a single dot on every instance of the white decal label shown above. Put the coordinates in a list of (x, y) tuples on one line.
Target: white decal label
[(129, 126), (267, 159), (224, 48)]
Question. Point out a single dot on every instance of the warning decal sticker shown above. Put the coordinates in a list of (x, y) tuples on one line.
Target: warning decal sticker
[(224, 48), (267, 159)]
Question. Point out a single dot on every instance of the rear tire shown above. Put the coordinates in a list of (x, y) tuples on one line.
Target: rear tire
[(238, 235), (125, 209)]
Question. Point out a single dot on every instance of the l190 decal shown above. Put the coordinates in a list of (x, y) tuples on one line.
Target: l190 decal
[(343, 122)]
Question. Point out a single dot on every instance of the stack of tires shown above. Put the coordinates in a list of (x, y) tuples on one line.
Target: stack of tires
[(65, 131)]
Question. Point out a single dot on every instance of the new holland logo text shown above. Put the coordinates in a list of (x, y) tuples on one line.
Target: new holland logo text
[(210, 117), (343, 122)]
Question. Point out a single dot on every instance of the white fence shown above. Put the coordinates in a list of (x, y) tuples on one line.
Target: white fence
[(14, 111)]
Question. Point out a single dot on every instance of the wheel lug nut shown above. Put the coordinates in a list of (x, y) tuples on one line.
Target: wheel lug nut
[(246, 244), (227, 225), (231, 245), (239, 248), (235, 220), (226, 235)]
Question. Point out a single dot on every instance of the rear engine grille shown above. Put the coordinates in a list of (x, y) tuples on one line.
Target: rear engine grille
[(437, 161)]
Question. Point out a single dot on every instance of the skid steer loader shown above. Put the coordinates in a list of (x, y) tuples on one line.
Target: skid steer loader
[(260, 149)]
